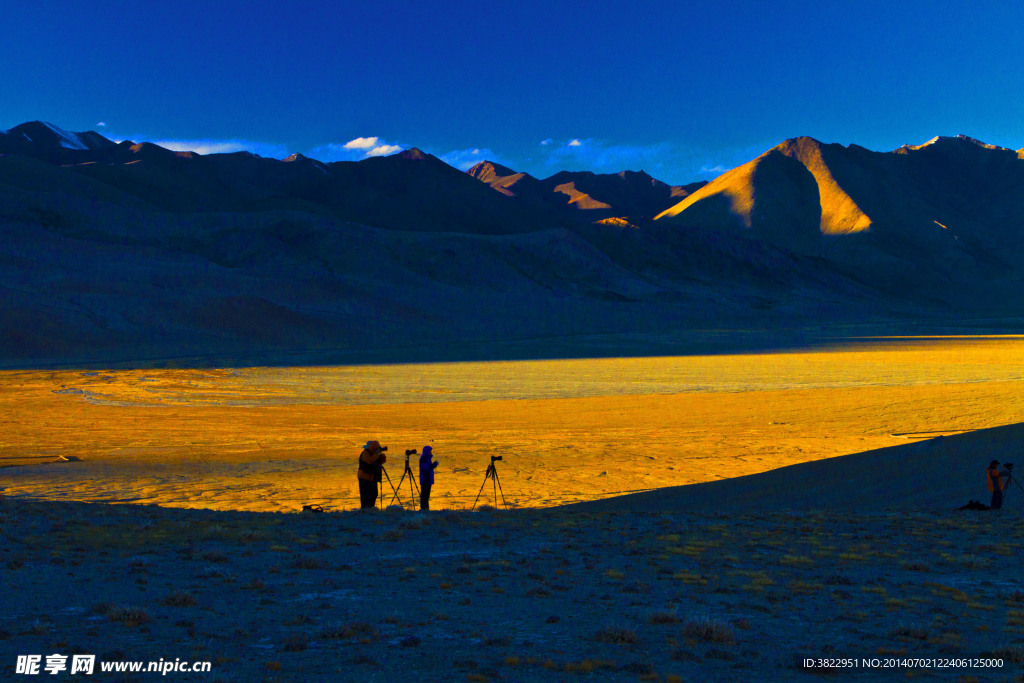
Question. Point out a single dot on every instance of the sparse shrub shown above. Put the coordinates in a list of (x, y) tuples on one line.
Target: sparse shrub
[(838, 580), (709, 630), (584, 667), (352, 630), (1011, 654), (910, 631), (179, 599), (297, 642), (212, 556), (413, 523), (616, 636), (138, 564), (129, 616), (690, 578), (38, 628), (663, 617), (969, 561), (250, 536), (915, 566), (501, 641), (307, 562), (215, 532), (642, 670), (214, 572)]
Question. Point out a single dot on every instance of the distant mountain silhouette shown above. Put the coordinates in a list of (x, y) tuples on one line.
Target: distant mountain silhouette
[(48, 142), (118, 252), (406, 191), (585, 196)]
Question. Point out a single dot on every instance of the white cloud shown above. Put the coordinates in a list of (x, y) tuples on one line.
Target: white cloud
[(101, 124), (362, 143), (355, 150), (546, 142), (384, 150), (714, 170), (575, 143)]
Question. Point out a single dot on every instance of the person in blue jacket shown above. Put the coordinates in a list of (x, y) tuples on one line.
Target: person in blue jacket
[(427, 467)]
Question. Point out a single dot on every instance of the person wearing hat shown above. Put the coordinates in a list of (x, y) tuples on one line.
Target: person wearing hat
[(371, 463), (995, 483), (427, 467)]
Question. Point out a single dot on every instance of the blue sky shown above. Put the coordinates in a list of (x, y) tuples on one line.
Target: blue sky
[(682, 90)]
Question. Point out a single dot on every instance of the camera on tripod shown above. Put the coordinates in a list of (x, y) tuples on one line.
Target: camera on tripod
[(409, 451), (492, 474), (1008, 466)]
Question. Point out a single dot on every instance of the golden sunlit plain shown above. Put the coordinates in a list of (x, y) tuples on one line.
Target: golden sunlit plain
[(568, 430)]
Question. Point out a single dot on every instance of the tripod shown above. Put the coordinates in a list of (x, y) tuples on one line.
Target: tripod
[(492, 474), (387, 476), (413, 488), (1009, 480)]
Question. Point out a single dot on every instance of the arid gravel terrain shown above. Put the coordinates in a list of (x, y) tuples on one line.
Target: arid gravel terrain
[(513, 596)]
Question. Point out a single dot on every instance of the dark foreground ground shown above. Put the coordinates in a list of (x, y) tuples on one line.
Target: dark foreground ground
[(513, 596)]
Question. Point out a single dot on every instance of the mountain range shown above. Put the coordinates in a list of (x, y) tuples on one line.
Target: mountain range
[(117, 251)]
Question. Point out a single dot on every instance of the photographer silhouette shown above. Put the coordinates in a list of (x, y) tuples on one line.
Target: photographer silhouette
[(371, 464), (995, 482)]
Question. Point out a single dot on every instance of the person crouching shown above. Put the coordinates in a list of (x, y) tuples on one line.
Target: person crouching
[(427, 467), (371, 462)]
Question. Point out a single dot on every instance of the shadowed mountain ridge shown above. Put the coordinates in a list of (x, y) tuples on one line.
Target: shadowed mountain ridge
[(583, 196)]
